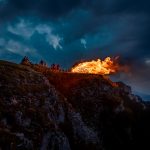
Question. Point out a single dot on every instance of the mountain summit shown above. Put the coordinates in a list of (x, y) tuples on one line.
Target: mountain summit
[(52, 110)]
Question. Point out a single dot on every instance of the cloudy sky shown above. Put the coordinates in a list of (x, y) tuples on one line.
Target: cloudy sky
[(66, 31)]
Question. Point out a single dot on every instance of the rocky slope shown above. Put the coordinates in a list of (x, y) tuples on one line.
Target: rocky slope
[(45, 110)]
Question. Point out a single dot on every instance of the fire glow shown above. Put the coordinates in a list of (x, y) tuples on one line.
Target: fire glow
[(103, 67)]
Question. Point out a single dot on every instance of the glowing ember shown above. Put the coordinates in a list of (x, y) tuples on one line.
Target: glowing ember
[(107, 66)]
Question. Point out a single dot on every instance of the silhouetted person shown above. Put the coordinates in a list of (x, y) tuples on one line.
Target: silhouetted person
[(43, 63), (25, 61), (53, 66), (57, 67)]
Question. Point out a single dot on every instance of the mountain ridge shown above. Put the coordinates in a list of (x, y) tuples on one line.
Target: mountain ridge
[(42, 109)]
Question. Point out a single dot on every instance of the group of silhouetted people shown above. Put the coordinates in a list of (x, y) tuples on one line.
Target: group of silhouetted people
[(53, 67)]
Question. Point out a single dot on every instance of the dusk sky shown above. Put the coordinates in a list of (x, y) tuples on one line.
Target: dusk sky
[(67, 31)]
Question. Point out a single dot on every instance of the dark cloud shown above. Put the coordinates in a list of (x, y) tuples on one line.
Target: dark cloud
[(57, 8), (115, 6), (41, 8)]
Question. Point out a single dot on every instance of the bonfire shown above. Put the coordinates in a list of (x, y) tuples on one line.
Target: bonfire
[(103, 67)]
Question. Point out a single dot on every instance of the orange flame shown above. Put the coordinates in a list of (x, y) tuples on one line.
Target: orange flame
[(105, 67)]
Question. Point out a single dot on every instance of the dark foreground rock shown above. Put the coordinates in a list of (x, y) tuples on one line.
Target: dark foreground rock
[(63, 111)]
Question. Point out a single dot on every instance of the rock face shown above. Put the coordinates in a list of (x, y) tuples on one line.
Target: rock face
[(63, 111)]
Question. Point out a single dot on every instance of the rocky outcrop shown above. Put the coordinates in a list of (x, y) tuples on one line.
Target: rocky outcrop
[(63, 111)]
